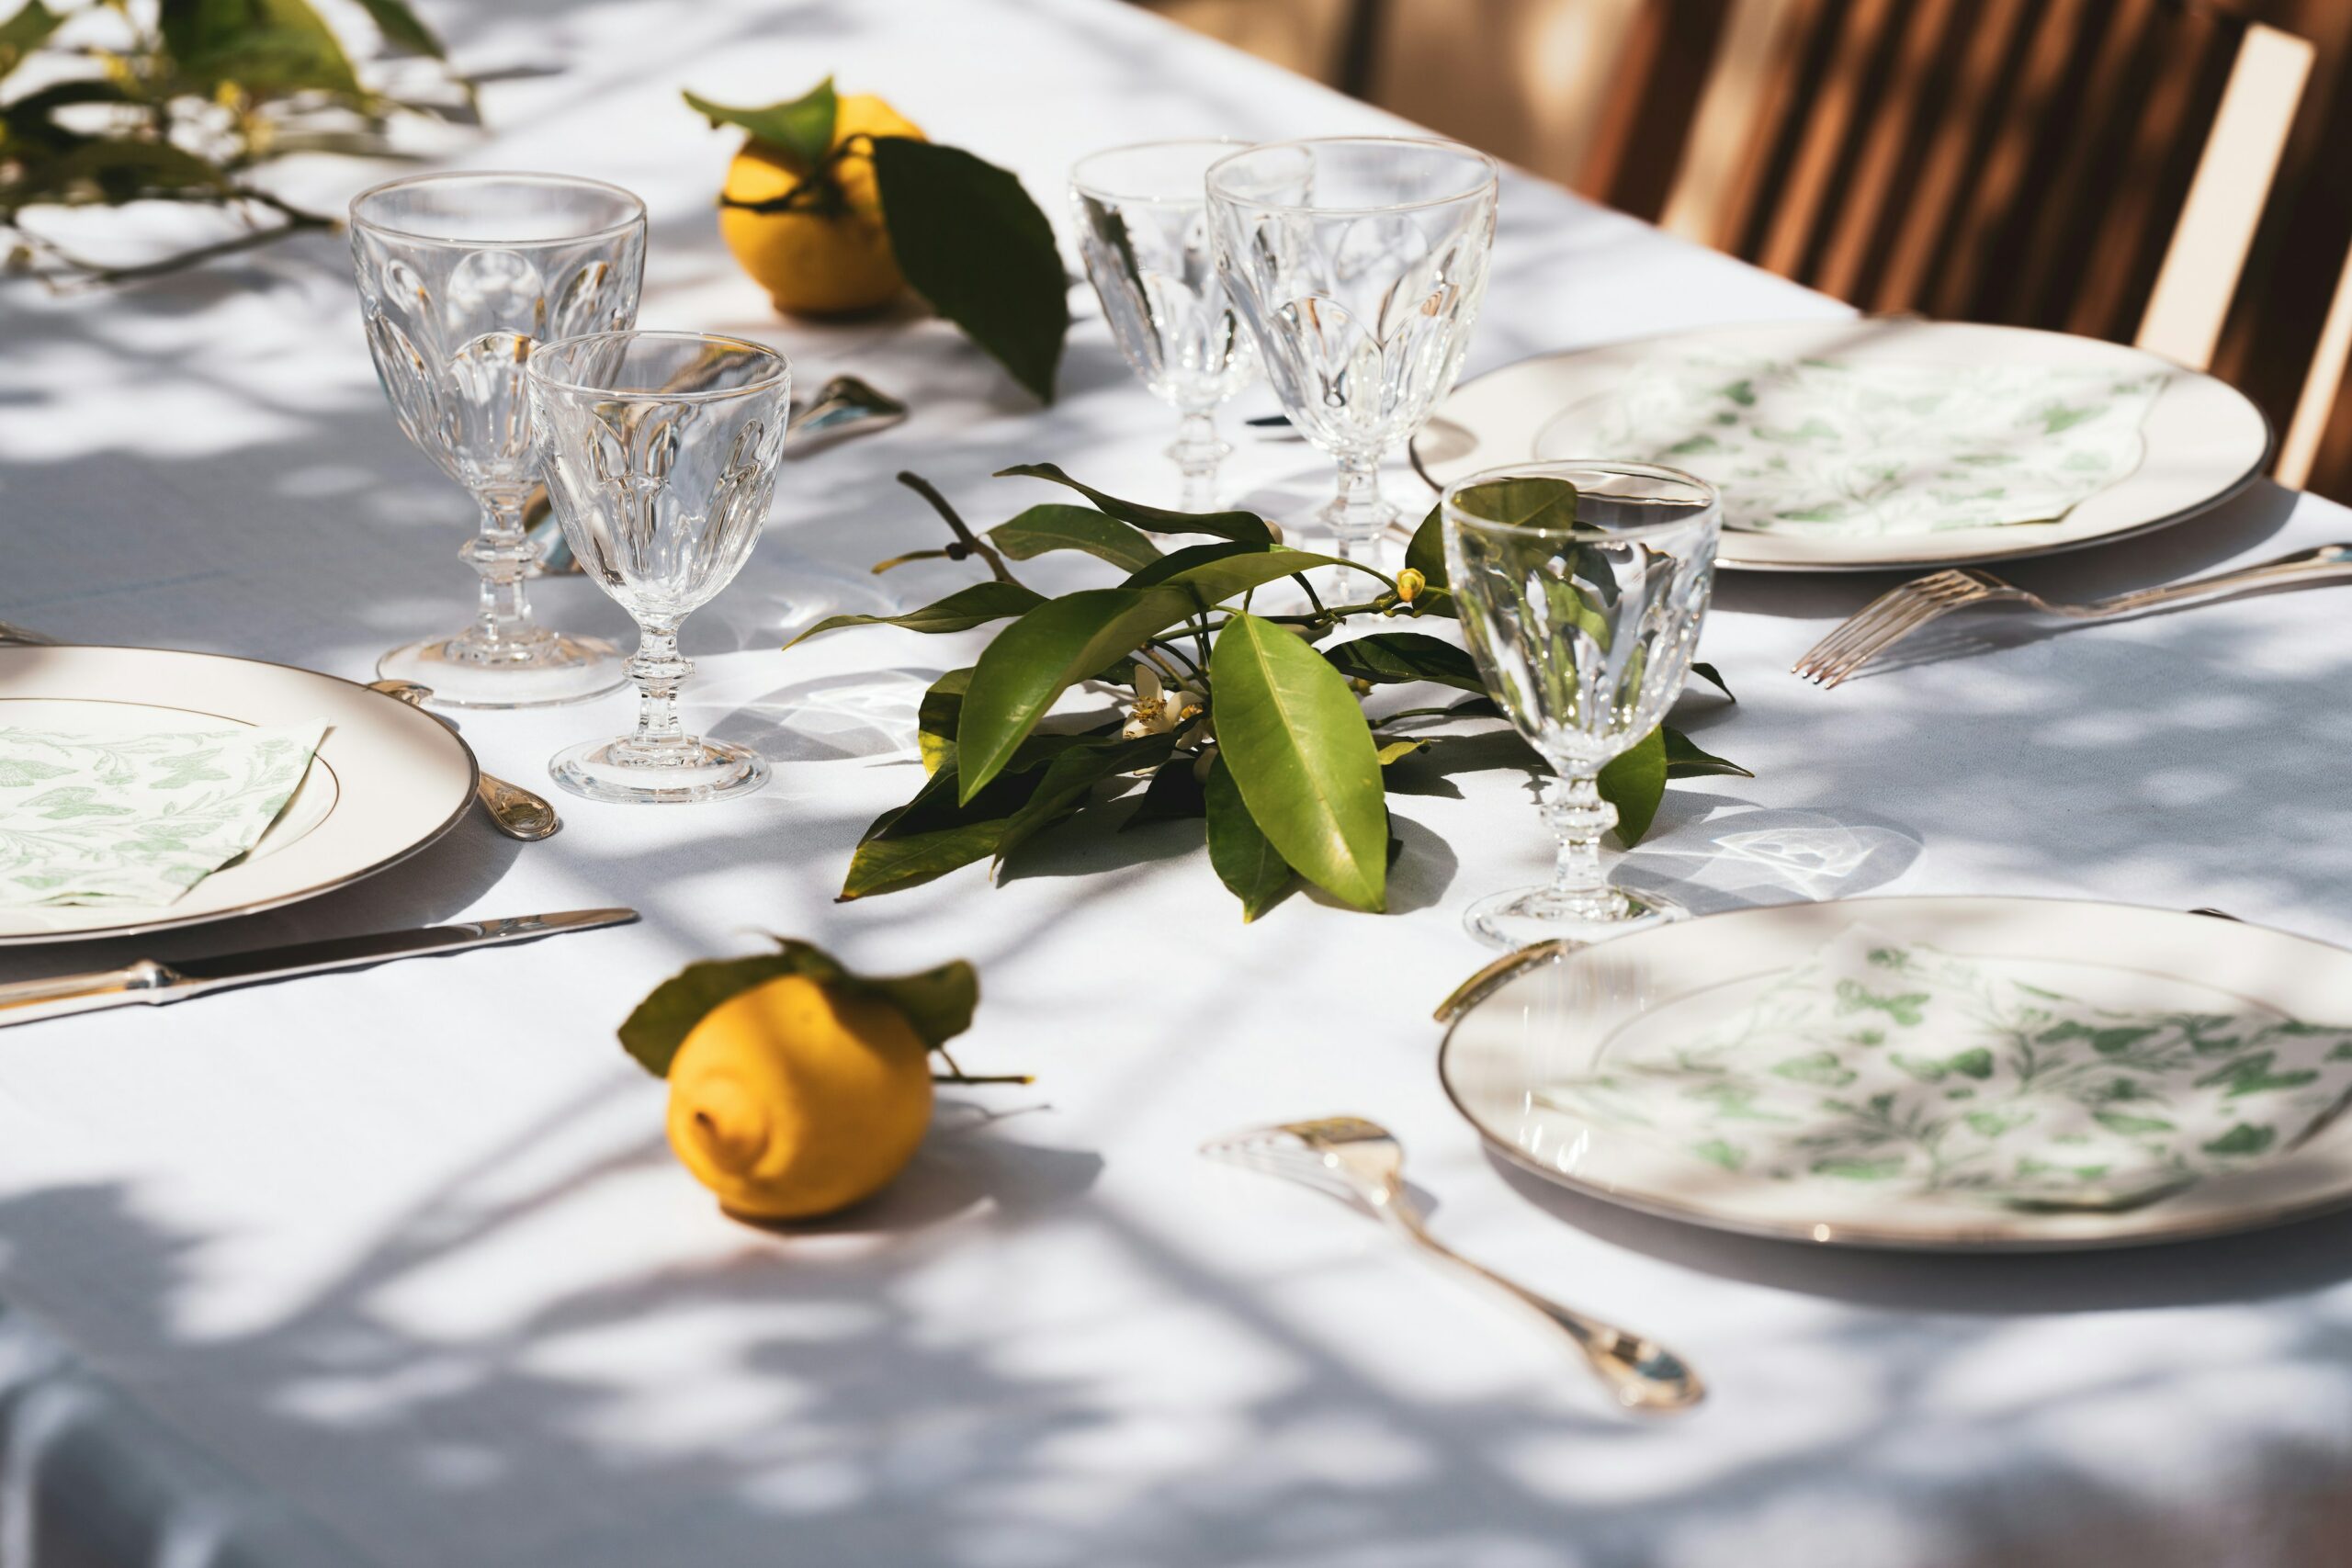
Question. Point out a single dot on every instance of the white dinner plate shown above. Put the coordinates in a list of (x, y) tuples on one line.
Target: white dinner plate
[(387, 780), (1567, 1017), (2204, 440)]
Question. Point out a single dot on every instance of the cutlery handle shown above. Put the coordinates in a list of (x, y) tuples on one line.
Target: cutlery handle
[(2327, 560), (1638, 1373), (23, 1001)]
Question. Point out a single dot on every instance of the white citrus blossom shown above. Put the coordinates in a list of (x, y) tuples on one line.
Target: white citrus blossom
[(1159, 707)]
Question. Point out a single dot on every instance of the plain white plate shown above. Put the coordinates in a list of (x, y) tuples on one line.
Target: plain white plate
[(1561, 1015), (2205, 440), (388, 780)]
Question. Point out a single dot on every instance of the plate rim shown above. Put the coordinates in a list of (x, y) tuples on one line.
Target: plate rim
[(2231, 492), (1871, 1239), (144, 927)]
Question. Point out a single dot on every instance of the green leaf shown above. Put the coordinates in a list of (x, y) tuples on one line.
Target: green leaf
[(959, 612), (23, 32), (937, 1003), (1057, 527), (802, 127), (1426, 554), (1228, 570), (887, 864), (260, 45), (1303, 757), (1240, 852), (1175, 795), (1685, 760), (119, 170), (972, 243), (1388, 658), (1534, 502), (935, 717), (1713, 677), (1186, 559), (1243, 527), (402, 28), (1070, 778), (1397, 750), (1634, 782), (1033, 661)]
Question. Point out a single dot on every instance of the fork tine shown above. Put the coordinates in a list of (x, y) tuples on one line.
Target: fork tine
[(1894, 601), (1888, 635)]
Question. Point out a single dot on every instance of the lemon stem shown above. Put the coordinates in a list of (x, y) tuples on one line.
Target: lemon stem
[(967, 544)]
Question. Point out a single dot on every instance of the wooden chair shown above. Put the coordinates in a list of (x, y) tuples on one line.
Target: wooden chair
[(2099, 166)]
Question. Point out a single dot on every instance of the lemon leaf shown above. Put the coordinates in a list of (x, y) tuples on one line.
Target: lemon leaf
[(802, 125), (971, 242), (937, 1003)]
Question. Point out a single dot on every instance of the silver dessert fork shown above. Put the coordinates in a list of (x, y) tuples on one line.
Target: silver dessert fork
[(1896, 614), (1362, 1162)]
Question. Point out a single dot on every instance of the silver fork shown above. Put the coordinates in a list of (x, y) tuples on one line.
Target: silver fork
[(1897, 613), (1362, 1162)]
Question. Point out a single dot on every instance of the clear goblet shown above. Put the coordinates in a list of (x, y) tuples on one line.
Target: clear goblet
[(661, 455), (1358, 263), (460, 274), (1143, 226), (1581, 586)]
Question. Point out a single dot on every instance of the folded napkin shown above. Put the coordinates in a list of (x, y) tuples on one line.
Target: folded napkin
[(1893, 1063), (137, 817), (1837, 447)]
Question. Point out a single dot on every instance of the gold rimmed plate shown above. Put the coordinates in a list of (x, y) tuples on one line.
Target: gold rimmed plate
[(2237, 1005), (2202, 440), (386, 781)]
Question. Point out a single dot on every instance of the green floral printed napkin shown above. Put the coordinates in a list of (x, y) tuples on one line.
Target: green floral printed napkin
[(137, 817), (1828, 446), (1888, 1062)]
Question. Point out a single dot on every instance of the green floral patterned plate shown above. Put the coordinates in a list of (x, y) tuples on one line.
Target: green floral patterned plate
[(387, 779), (1930, 1073), (1869, 445)]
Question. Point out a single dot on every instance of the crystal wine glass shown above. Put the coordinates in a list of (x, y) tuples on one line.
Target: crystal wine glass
[(460, 274), (661, 455), (1358, 263), (1143, 225), (1581, 586)]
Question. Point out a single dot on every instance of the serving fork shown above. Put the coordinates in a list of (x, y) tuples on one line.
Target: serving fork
[(1362, 1162), (1897, 613)]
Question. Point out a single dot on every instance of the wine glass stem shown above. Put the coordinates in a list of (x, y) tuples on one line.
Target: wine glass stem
[(1572, 803), (500, 552), (1361, 515), (659, 672), (1197, 453)]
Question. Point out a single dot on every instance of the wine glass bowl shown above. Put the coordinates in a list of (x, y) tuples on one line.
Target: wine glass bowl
[(1581, 588), (661, 452), (1142, 212), (1358, 264), (459, 275)]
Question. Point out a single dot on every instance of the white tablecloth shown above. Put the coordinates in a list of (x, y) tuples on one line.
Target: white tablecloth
[(394, 1268)]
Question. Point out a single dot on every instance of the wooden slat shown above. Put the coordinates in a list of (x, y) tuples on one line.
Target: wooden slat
[(2077, 201), (1750, 88), (1932, 201), (1822, 138), (2323, 384), (2007, 164), (1859, 223), (2200, 269)]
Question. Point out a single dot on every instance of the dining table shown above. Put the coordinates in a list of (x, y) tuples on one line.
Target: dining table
[(394, 1267)]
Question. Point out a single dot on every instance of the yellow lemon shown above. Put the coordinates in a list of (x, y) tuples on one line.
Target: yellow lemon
[(791, 1100), (815, 262)]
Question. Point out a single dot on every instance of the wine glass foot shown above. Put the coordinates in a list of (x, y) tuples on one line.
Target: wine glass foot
[(466, 671), (1526, 916), (681, 773)]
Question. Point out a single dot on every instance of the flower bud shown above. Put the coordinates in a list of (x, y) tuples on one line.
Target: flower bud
[(1409, 582)]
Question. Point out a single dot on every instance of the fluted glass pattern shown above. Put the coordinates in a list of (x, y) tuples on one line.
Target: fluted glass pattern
[(1358, 263)]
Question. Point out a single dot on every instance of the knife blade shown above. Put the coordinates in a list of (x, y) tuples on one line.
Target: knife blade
[(146, 981)]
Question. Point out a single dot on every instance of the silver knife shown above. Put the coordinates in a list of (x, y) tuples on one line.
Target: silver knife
[(22, 1001)]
